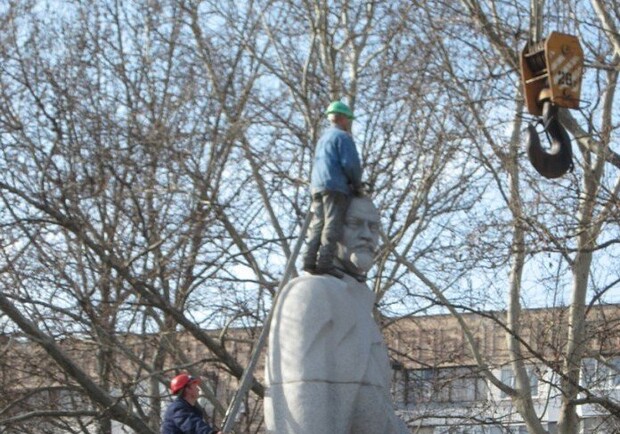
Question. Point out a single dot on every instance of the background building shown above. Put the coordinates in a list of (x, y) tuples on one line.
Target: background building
[(438, 386)]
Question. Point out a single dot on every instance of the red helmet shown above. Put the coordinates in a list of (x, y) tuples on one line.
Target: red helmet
[(180, 381)]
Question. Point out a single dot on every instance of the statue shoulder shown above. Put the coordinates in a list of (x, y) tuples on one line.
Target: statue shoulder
[(315, 290), (315, 284)]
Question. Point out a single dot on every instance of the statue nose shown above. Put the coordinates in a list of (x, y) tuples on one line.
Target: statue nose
[(365, 231)]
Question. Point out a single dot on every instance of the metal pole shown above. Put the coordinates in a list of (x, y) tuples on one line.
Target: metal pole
[(247, 378)]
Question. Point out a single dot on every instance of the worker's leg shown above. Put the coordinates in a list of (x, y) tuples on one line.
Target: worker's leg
[(335, 209), (313, 237)]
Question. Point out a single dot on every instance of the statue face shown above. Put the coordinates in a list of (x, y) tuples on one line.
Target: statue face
[(357, 249)]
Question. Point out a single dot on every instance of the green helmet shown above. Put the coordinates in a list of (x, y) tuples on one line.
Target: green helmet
[(340, 108)]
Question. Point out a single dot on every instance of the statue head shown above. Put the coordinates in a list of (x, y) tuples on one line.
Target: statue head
[(356, 251)]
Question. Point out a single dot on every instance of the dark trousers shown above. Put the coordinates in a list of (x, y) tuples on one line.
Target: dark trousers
[(330, 208)]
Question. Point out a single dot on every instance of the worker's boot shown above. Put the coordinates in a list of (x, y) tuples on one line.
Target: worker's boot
[(309, 260), (309, 268), (333, 271), (325, 262)]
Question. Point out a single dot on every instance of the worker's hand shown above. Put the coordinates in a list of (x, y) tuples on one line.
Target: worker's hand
[(357, 190), (364, 189)]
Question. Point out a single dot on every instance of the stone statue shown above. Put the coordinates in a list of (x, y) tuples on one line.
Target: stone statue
[(327, 369)]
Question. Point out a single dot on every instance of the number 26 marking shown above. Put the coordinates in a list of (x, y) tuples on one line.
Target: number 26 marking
[(566, 78)]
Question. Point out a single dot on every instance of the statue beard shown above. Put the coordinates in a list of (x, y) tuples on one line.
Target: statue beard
[(357, 261), (363, 261)]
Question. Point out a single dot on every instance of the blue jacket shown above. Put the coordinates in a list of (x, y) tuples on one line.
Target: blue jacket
[(336, 163), (183, 418)]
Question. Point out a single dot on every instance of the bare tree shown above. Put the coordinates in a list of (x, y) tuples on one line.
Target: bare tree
[(560, 222), (114, 148), (155, 158)]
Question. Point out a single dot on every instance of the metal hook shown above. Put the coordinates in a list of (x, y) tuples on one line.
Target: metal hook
[(559, 159)]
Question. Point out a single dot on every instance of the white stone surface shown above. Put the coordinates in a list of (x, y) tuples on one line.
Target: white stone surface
[(327, 369)]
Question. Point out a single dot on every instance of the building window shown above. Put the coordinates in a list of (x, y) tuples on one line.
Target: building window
[(599, 374), (507, 429), (415, 386), (468, 429), (614, 372), (533, 381), (412, 386), (600, 425), (421, 385), (508, 378), (450, 430)]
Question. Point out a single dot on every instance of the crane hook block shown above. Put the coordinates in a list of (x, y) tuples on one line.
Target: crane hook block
[(555, 63)]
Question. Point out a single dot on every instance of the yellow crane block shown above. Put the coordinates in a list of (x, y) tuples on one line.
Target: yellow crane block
[(555, 63)]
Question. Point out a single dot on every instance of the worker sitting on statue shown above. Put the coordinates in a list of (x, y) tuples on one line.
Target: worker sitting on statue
[(336, 177)]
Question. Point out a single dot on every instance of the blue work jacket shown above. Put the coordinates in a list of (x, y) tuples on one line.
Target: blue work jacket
[(337, 164), (183, 418)]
